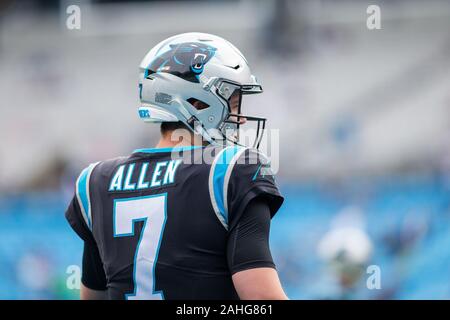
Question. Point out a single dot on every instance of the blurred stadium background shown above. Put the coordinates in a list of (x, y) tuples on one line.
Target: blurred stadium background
[(364, 119)]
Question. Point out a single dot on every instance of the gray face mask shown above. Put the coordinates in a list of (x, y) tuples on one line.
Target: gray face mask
[(232, 93)]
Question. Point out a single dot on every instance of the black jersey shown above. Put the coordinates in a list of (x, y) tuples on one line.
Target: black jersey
[(161, 218)]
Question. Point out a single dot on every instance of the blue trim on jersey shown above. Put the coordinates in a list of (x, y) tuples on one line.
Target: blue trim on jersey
[(256, 173), (159, 150), (219, 173), (83, 193)]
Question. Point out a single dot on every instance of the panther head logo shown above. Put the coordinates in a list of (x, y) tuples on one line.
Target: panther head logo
[(185, 60)]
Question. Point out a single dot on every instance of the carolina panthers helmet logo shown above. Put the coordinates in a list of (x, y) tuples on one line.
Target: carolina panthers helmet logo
[(185, 60)]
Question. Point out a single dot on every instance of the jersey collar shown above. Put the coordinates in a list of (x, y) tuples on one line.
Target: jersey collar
[(173, 149)]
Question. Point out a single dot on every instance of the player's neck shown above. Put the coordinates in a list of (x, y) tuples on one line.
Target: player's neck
[(166, 142)]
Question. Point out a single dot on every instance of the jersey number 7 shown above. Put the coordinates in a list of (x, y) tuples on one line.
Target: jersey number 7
[(152, 210)]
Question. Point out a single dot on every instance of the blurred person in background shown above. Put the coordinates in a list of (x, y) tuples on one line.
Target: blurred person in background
[(346, 249)]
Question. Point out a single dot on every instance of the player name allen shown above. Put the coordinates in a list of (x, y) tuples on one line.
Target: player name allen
[(125, 178)]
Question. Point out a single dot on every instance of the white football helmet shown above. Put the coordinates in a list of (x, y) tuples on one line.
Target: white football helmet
[(191, 78)]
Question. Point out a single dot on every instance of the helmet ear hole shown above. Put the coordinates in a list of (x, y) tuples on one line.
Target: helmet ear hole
[(198, 104)]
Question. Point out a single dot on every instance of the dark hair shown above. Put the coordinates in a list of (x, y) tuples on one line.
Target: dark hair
[(171, 126)]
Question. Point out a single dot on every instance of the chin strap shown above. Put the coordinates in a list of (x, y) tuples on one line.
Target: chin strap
[(221, 137)]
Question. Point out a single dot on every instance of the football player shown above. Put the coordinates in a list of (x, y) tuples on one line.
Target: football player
[(190, 218)]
